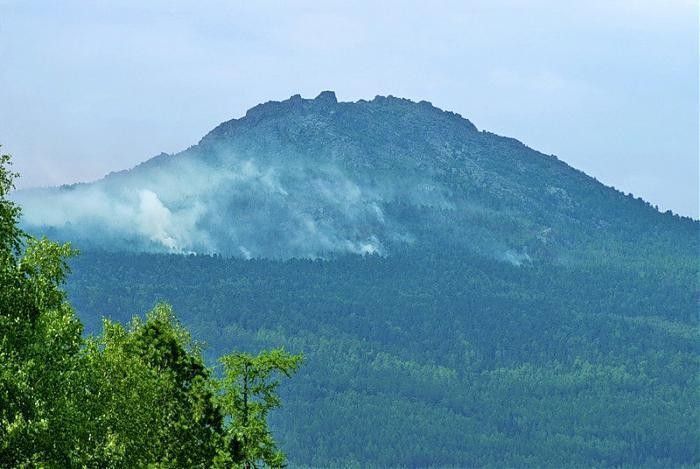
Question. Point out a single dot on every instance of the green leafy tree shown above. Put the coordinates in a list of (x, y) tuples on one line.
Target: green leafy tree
[(39, 340), (153, 393), (248, 393)]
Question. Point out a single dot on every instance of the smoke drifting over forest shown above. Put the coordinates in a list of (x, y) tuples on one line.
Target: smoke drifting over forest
[(247, 208)]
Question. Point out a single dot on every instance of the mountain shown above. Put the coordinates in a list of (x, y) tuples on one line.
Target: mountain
[(313, 178), (461, 299)]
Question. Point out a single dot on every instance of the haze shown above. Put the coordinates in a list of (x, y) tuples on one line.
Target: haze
[(610, 87)]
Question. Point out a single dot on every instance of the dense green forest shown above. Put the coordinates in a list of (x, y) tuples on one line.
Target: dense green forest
[(449, 360), (138, 395)]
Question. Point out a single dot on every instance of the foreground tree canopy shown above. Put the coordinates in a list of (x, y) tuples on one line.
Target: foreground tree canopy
[(132, 396)]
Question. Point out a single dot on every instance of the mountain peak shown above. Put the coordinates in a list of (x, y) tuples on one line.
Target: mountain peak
[(295, 103), (327, 97), (424, 114), (308, 177)]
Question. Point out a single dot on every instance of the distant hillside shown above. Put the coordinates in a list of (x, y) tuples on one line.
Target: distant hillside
[(315, 177), (417, 360)]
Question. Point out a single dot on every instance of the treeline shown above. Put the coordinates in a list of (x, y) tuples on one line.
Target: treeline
[(132, 396)]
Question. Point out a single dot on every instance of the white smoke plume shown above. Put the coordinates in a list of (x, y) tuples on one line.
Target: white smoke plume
[(248, 209)]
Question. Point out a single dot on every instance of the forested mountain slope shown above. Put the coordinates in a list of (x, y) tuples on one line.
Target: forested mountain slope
[(460, 299)]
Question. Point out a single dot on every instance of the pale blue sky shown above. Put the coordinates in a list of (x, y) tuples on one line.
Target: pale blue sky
[(611, 87)]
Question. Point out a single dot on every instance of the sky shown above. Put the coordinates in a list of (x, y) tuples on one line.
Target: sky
[(610, 86)]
